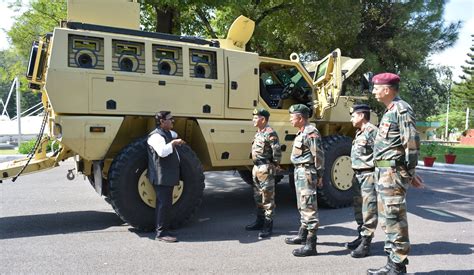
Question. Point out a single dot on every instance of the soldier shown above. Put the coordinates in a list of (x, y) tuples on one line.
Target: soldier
[(395, 158), (266, 156), (308, 158), (365, 197)]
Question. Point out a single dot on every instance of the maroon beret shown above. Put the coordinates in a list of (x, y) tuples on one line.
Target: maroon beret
[(386, 79)]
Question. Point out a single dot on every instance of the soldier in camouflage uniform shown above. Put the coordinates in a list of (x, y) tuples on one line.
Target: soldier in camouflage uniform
[(365, 196), (266, 156), (308, 158), (396, 152)]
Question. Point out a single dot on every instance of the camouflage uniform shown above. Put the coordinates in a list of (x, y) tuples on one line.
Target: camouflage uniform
[(266, 154), (396, 152), (365, 196), (308, 158)]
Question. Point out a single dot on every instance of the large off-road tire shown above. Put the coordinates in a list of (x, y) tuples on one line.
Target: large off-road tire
[(127, 175), (336, 191)]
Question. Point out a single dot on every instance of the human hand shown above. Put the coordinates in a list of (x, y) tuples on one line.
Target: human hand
[(417, 182), (177, 141), (320, 183), (278, 169)]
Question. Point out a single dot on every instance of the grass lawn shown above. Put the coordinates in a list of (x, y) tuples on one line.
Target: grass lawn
[(8, 152), (464, 154)]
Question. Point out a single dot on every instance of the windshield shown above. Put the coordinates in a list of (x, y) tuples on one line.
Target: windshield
[(292, 75)]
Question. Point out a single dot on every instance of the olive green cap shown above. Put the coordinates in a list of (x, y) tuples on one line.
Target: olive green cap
[(300, 108), (261, 112)]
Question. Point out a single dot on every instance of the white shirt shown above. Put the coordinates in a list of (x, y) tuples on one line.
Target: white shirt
[(160, 146)]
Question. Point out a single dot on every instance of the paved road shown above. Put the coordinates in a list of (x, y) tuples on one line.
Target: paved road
[(51, 225)]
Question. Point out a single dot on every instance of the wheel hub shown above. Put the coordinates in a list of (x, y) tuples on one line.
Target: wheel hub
[(342, 173), (147, 192)]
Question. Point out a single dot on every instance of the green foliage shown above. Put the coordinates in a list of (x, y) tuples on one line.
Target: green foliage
[(457, 121), (40, 18), (430, 149), (450, 150), (27, 146), (394, 36), (464, 154), (11, 66), (463, 92)]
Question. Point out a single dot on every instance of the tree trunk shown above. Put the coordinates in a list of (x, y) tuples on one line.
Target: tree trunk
[(165, 19)]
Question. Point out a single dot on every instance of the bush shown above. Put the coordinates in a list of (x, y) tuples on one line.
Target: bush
[(430, 149), (450, 150), (26, 146)]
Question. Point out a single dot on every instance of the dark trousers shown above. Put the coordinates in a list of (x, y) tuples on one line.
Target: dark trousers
[(164, 202)]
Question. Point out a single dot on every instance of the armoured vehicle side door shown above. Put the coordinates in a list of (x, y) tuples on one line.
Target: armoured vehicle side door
[(328, 75), (243, 79)]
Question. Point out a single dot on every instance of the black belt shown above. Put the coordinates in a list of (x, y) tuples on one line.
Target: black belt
[(261, 162), (363, 171)]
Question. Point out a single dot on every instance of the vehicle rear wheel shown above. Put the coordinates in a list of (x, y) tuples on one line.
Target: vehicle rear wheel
[(336, 191), (133, 197)]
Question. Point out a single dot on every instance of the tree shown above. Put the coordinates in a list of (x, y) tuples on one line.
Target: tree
[(394, 36), (40, 18), (11, 66), (463, 92)]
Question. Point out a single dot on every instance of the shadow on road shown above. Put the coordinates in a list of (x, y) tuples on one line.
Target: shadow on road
[(451, 272), (429, 202), (441, 248), (56, 223), (228, 206)]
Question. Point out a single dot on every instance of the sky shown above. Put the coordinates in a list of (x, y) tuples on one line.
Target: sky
[(453, 57)]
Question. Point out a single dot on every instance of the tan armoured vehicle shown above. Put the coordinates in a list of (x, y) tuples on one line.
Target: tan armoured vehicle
[(102, 80)]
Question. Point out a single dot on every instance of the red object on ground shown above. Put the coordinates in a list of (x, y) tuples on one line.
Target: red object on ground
[(449, 158), (468, 139), (429, 161)]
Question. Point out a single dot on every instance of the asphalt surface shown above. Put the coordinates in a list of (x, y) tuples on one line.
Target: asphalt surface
[(51, 225)]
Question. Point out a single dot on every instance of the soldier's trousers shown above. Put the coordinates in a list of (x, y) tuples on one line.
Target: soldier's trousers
[(306, 197), (391, 186), (264, 189), (365, 203)]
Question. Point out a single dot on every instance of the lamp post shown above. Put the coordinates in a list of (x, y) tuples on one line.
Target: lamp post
[(18, 109), (447, 119), (449, 75)]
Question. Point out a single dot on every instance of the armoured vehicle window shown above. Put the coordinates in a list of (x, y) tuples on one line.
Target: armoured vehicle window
[(167, 60), (128, 56), (321, 70), (86, 52), (202, 64), (279, 83)]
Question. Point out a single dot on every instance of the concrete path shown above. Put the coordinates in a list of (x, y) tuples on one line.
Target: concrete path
[(447, 168)]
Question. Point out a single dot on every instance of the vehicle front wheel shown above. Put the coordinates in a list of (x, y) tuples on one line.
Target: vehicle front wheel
[(133, 197)]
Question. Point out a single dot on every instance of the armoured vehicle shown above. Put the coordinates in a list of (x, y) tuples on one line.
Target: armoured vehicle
[(102, 80)]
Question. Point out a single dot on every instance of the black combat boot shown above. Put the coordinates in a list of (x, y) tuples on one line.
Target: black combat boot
[(309, 249), (363, 250), (355, 243), (301, 238), (391, 268), (267, 229), (257, 224)]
